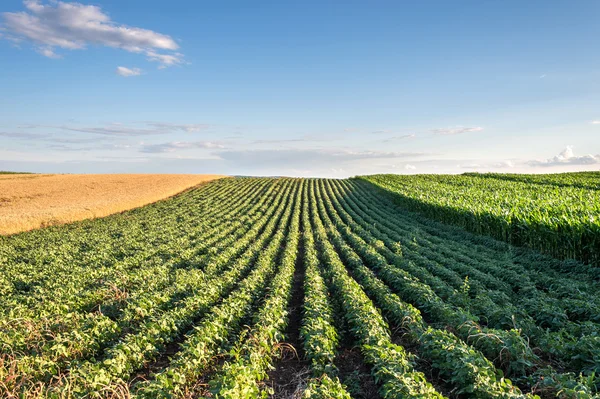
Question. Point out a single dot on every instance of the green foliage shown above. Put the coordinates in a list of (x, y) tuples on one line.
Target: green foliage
[(392, 366), (325, 387), (190, 297), (251, 359), (556, 214)]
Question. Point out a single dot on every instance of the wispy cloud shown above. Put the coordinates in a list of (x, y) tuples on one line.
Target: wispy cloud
[(456, 130), (179, 145), (51, 138), (96, 147), (410, 167), (306, 157), (504, 164), (74, 26), (567, 157), (127, 72), (382, 131), (596, 122), (487, 165), (311, 162), (165, 59), (189, 127), (118, 129), (48, 52), (23, 135), (397, 138), (281, 141), (114, 130), (76, 140), (470, 166)]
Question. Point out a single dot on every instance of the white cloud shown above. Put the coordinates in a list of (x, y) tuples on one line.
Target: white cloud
[(410, 167), (190, 127), (470, 166), (595, 122), (179, 145), (127, 72), (94, 147), (477, 165), (281, 141), (403, 137), (504, 164), (48, 52), (567, 157), (383, 131), (74, 26), (165, 59), (456, 130)]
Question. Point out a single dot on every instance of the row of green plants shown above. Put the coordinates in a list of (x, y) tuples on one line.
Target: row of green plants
[(318, 331), (134, 308), (213, 335), (31, 260), (84, 285), (392, 366), (40, 343), (574, 344), (190, 297), (466, 369), (252, 358), (520, 270), (579, 353), (87, 269), (483, 247), (167, 323), (589, 180), (403, 277), (560, 220), (137, 349)]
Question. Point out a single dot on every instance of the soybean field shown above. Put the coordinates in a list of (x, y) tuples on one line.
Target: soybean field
[(291, 288)]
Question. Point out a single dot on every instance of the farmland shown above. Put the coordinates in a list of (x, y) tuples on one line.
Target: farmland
[(275, 287), (30, 201), (557, 214)]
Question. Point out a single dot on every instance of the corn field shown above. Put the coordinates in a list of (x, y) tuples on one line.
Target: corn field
[(555, 214)]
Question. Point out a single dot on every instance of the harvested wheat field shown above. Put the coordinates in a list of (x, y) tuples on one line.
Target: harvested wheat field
[(30, 201)]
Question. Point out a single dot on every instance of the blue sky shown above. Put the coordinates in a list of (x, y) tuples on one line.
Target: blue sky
[(306, 88)]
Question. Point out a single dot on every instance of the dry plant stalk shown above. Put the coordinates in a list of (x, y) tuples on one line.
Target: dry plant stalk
[(29, 201)]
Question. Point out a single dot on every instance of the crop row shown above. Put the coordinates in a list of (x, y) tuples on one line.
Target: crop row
[(506, 348), (213, 333), (559, 219), (55, 312), (448, 354), (540, 315), (169, 321), (191, 297), (320, 336)]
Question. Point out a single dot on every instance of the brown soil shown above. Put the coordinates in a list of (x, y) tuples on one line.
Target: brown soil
[(288, 380), (355, 374)]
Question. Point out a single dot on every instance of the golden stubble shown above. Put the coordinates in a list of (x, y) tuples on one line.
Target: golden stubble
[(32, 201)]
